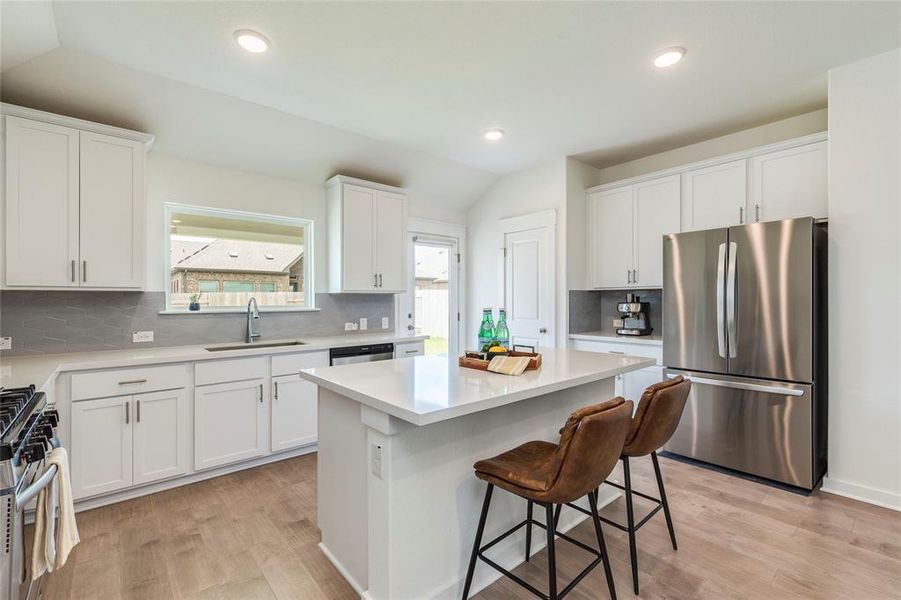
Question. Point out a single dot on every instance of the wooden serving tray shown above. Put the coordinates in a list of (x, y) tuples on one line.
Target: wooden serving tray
[(473, 360)]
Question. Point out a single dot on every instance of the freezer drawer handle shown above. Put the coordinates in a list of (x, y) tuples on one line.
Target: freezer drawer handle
[(740, 385)]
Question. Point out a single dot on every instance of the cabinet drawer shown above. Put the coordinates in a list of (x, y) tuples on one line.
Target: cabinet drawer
[(290, 364), (409, 349), (655, 352), (235, 369), (101, 384)]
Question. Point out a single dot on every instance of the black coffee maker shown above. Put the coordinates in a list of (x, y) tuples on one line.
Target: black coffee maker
[(633, 319)]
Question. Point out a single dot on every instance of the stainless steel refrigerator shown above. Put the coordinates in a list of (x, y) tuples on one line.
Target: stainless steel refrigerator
[(744, 317)]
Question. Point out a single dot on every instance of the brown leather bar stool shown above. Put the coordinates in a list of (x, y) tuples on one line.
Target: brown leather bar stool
[(655, 421), (549, 474)]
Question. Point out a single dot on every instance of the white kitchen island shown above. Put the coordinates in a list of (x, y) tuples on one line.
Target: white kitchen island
[(398, 503)]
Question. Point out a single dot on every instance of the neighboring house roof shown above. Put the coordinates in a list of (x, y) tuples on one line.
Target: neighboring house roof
[(243, 256)]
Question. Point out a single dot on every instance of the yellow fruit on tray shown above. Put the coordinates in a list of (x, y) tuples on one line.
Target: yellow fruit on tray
[(497, 349)]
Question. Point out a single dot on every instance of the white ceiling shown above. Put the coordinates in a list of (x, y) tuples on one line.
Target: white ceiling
[(418, 82)]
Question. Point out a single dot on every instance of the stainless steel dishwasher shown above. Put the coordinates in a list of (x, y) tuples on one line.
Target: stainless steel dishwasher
[(359, 354)]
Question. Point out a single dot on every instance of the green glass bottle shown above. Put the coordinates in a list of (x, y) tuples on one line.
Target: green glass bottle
[(486, 330), (501, 333)]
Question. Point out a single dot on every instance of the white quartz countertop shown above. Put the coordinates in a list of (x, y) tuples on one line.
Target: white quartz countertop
[(428, 389), (19, 371), (597, 336)]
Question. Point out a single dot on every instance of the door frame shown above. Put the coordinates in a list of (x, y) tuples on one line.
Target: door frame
[(437, 231), (544, 219)]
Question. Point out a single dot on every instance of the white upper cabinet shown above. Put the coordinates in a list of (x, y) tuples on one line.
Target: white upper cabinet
[(625, 232), (112, 211), (367, 228), (790, 183), (610, 237), (715, 196), (656, 213), (74, 202), (41, 204)]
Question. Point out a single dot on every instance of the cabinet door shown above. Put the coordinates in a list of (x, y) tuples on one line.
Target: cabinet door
[(112, 212), (160, 435), (636, 382), (294, 412), (610, 240), (790, 183), (657, 211), (409, 349), (390, 236), (358, 242), (41, 204), (101, 446), (229, 422), (715, 196)]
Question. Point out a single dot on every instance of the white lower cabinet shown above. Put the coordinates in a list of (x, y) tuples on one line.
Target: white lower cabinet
[(101, 446), (294, 412), (409, 349), (230, 422), (635, 383), (128, 440), (161, 436)]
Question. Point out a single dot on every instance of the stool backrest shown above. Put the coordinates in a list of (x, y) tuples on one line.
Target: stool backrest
[(590, 444), (657, 417)]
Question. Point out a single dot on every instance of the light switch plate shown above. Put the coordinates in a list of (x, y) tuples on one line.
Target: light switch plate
[(140, 337), (384, 322), (364, 323), (6, 343)]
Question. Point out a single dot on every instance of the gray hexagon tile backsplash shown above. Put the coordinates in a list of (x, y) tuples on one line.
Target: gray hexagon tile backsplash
[(77, 321)]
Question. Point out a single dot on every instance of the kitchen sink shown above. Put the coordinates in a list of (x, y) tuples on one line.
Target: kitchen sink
[(246, 346)]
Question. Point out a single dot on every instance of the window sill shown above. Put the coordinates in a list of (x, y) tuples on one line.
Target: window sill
[(221, 311)]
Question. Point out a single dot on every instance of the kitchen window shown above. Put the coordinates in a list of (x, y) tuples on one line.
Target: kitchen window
[(221, 258)]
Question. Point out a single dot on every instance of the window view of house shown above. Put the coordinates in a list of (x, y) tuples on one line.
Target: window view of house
[(227, 259)]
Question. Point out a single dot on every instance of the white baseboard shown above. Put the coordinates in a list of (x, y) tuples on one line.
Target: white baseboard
[(863, 493), (344, 573), (168, 484)]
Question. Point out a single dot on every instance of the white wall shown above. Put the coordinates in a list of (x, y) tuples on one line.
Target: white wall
[(529, 191), (865, 280), (777, 131), (171, 179), (579, 176)]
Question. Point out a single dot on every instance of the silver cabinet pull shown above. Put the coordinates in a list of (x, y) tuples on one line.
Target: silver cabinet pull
[(634, 275), (375, 280), (72, 268), (380, 280), (411, 351), (615, 352), (629, 276), (741, 215), (721, 300), (276, 391), (261, 393), (84, 270), (757, 212), (542, 330), (127, 411), (138, 411), (132, 381)]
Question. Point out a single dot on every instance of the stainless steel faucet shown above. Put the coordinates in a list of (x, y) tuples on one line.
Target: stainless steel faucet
[(253, 312)]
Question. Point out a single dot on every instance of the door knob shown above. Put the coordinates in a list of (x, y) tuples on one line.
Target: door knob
[(410, 327), (542, 330)]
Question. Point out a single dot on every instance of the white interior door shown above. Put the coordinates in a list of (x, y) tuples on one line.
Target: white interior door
[(529, 286)]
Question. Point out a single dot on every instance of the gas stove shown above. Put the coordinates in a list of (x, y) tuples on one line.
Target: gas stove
[(26, 426)]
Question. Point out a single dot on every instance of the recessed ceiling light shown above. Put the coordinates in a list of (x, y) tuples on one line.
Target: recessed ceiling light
[(669, 57), (251, 41), (493, 135)]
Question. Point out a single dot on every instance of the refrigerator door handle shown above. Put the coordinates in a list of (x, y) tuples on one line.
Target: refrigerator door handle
[(720, 300), (730, 301), (742, 385)]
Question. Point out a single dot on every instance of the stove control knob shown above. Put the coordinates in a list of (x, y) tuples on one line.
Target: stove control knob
[(35, 452), (52, 416)]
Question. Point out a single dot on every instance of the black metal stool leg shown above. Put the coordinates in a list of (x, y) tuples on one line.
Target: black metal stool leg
[(630, 517), (602, 546), (478, 542), (669, 518), (551, 557), (557, 515), (529, 532)]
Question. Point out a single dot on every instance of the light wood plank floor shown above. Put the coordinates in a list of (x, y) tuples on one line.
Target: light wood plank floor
[(252, 535)]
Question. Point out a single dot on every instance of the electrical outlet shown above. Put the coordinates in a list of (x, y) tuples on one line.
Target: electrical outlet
[(6, 343), (377, 460), (351, 326), (385, 323), (364, 323), (140, 337)]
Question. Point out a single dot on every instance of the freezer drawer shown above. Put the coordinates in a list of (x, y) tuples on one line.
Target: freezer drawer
[(759, 427)]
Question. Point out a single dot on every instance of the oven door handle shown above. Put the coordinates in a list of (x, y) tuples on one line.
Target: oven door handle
[(28, 494)]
